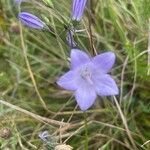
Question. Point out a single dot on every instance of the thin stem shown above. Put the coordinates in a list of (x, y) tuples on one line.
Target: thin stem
[(122, 78), (125, 123), (148, 73), (145, 143), (93, 50), (30, 71), (86, 131), (134, 79), (37, 117)]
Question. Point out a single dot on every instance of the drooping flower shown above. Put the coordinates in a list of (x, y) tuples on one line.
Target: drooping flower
[(31, 21), (78, 7), (88, 77)]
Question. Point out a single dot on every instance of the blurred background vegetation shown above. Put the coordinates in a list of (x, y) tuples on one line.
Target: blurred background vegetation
[(31, 61)]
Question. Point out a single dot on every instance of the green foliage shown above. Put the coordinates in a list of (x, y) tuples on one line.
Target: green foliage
[(117, 25)]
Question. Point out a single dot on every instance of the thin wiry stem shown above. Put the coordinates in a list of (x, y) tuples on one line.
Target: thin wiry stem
[(72, 114), (125, 123), (30, 71), (134, 80), (111, 139), (37, 117), (148, 73), (86, 131), (122, 78), (81, 112), (145, 143), (58, 39), (93, 50), (75, 132)]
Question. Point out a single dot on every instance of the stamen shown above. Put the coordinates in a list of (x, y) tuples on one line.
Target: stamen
[(86, 74)]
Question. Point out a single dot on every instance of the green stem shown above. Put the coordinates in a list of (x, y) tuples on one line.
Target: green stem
[(86, 131)]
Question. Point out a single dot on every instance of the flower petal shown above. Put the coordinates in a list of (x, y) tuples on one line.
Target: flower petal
[(85, 97), (78, 58), (31, 20), (68, 81), (78, 9), (105, 85), (104, 61)]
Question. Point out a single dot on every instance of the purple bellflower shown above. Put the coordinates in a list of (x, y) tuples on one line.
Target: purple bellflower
[(78, 7), (31, 21), (88, 77)]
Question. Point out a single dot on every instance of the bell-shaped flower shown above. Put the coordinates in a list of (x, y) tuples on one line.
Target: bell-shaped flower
[(78, 7), (31, 21), (88, 77)]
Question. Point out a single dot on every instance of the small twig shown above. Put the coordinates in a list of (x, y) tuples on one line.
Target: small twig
[(37, 117), (145, 143), (72, 114), (68, 127), (81, 112)]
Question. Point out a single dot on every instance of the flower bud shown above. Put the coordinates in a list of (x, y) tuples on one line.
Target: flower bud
[(70, 39), (78, 7), (31, 20)]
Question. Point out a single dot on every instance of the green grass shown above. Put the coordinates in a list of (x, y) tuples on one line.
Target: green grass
[(29, 70)]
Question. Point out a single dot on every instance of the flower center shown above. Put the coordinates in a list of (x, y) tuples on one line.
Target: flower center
[(86, 74)]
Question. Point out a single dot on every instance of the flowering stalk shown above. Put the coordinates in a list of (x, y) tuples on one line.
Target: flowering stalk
[(78, 7)]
